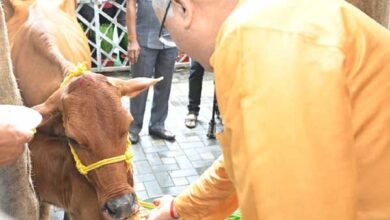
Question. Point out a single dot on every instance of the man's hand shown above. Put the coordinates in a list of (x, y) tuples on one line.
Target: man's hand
[(133, 50), (12, 142), (163, 209)]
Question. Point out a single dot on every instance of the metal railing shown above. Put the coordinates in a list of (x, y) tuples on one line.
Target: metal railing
[(104, 23)]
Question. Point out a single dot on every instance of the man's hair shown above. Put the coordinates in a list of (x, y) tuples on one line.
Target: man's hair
[(161, 5)]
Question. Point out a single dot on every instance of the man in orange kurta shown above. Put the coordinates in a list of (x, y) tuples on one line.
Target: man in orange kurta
[(304, 90)]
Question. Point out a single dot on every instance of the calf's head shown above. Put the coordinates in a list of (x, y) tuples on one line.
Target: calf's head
[(96, 126)]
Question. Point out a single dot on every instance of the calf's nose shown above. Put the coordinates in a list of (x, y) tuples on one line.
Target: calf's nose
[(121, 207)]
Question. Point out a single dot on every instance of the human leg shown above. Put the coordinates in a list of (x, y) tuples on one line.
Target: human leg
[(143, 68), (194, 93), (164, 67), (195, 86)]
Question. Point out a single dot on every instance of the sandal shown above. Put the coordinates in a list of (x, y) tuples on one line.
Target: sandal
[(191, 120)]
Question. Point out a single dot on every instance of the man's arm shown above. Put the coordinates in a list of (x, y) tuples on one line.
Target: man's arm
[(133, 48), (212, 197), (12, 142)]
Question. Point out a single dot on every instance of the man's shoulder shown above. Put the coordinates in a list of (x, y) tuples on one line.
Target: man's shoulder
[(319, 21)]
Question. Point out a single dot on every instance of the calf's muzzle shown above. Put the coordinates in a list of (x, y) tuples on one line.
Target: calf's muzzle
[(121, 207)]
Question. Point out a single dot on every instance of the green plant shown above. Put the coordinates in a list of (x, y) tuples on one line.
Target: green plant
[(108, 31), (235, 216)]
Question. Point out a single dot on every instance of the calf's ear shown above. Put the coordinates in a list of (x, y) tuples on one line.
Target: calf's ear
[(133, 87), (50, 107)]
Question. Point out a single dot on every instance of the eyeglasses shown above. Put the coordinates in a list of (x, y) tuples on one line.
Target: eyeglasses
[(166, 37)]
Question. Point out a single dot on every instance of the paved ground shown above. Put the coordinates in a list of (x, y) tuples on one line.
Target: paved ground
[(163, 167)]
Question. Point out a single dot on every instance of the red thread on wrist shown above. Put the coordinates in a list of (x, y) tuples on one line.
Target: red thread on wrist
[(171, 211)]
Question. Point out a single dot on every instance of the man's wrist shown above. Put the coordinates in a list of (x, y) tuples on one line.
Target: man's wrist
[(132, 39), (172, 210)]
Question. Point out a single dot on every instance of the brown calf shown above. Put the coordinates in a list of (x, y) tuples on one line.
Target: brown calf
[(96, 126)]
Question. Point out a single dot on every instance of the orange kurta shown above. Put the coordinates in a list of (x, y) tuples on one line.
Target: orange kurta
[(304, 90)]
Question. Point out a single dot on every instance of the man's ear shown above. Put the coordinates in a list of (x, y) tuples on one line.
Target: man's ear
[(50, 107), (133, 87), (184, 9)]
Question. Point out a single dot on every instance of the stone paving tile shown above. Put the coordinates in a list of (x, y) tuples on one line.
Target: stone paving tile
[(183, 173), (191, 137), (192, 179), (138, 153), (144, 177), (154, 159), (142, 195), (165, 167), (172, 145), (183, 162), (171, 153), (210, 148), (158, 142), (209, 142), (173, 190), (207, 156), (195, 157), (201, 170), (190, 152), (153, 189), (168, 160), (198, 130), (180, 181), (216, 153), (191, 145), (164, 180), (56, 214), (153, 149), (202, 163), (139, 186), (142, 167), (145, 141)]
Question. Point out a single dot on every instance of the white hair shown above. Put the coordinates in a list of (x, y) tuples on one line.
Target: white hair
[(161, 5)]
